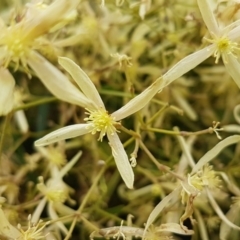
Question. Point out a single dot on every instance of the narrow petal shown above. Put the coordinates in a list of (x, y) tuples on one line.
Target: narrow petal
[(40, 21), (70, 164), (208, 16), (7, 231), (219, 211), (234, 34), (7, 84), (175, 72), (233, 68), (21, 121), (38, 210), (63, 133), (56, 82), (233, 216), (53, 215), (82, 80), (138, 102), (215, 151), (121, 159), (187, 64), (144, 8), (158, 209)]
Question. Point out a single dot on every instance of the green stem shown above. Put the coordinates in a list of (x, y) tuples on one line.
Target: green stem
[(159, 165), (35, 103), (6, 121), (169, 132), (84, 202)]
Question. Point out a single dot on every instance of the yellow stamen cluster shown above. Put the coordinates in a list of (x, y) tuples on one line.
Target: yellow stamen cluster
[(33, 232), (57, 195), (15, 47), (205, 177), (55, 191), (101, 122), (224, 47), (56, 157)]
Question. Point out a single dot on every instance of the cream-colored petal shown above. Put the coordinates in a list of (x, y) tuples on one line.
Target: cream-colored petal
[(186, 64), (121, 159), (21, 121), (82, 79), (211, 154), (56, 82), (71, 131), (208, 16), (7, 84), (69, 165), (144, 8), (219, 211), (53, 215), (234, 34), (233, 68), (38, 210), (7, 231), (158, 209), (175, 72), (138, 102), (39, 22)]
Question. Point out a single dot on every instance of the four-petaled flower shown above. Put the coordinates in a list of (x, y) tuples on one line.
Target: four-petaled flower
[(98, 120)]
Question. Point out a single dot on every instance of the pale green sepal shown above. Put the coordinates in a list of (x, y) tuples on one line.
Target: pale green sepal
[(82, 80), (121, 160), (71, 131)]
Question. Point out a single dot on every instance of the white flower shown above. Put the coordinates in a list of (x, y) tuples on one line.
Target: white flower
[(19, 41), (223, 44), (55, 192), (98, 120)]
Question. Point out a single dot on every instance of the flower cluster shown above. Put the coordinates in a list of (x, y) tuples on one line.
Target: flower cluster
[(100, 136)]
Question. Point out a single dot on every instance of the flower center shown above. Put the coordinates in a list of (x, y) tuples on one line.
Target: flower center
[(56, 191), (205, 177), (101, 122), (224, 47), (15, 47), (57, 195), (33, 232)]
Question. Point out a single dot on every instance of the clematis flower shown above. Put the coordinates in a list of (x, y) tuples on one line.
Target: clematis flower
[(98, 119), (33, 230), (56, 193), (223, 44), (23, 37)]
